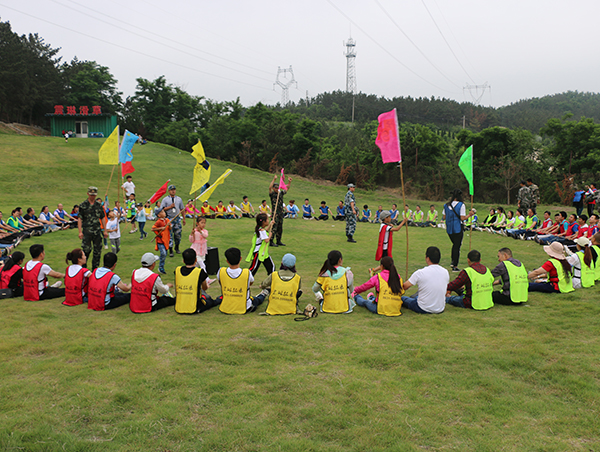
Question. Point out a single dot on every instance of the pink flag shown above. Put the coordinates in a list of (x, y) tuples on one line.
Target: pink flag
[(282, 185), (387, 137)]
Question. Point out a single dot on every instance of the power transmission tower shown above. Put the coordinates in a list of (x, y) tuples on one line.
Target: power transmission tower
[(350, 66), (477, 97), (285, 87)]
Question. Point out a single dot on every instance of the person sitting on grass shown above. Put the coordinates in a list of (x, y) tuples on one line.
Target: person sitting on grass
[(488, 221), (582, 263), (61, 216), (418, 216), (432, 215), (233, 211), (432, 282), (47, 220), (477, 281), (220, 211), (334, 286), (557, 268), (500, 220), (388, 285), (592, 226), (106, 290), (148, 292), (291, 210), (377, 213), (11, 274), (513, 278), (191, 284), (560, 225), (307, 210), (528, 228), (264, 207), (247, 209), (341, 212), (35, 277), (76, 278), (407, 214), (366, 215), (595, 245), (190, 210), (75, 212), (207, 210), (517, 225), (282, 288), (235, 286), (394, 214), (471, 221), (324, 212), (385, 242)]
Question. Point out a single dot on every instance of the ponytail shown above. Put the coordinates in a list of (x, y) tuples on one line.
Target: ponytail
[(74, 256), (393, 280), (566, 268), (329, 265), (260, 218), (13, 260), (587, 256)]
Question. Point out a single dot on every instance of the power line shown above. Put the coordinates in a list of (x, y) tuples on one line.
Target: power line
[(137, 52), (384, 49), (416, 46), (446, 41)]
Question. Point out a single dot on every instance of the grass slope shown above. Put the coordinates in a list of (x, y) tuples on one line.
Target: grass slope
[(511, 378)]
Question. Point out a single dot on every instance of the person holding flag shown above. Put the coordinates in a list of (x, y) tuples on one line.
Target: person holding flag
[(173, 205), (276, 193)]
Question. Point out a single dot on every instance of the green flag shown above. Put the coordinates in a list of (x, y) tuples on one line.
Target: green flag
[(466, 165)]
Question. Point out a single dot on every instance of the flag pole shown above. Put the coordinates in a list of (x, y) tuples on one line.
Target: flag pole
[(471, 232), (110, 180), (406, 225)]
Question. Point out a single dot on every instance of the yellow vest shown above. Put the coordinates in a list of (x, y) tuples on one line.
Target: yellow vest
[(282, 299), (588, 274), (388, 303), (186, 288), (335, 294), (234, 292), (564, 286)]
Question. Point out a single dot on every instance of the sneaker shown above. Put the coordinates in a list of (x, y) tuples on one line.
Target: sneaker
[(105, 247), (370, 295), (162, 272), (210, 281), (57, 284), (171, 252), (455, 270)]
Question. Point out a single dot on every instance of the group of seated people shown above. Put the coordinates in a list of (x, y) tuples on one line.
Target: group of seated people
[(18, 226), (225, 212)]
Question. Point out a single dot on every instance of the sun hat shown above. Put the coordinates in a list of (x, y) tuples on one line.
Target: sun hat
[(555, 250), (583, 242)]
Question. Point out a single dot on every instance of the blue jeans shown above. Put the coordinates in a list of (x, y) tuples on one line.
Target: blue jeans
[(412, 304), (141, 225), (456, 300), (369, 303), (163, 257), (548, 240), (545, 287)]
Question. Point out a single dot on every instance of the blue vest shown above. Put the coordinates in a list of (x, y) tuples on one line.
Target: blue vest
[(453, 223), (323, 210)]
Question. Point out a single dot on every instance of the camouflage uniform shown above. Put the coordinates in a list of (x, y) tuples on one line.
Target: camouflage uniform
[(534, 193), (350, 215), (523, 198), (92, 216), (278, 214)]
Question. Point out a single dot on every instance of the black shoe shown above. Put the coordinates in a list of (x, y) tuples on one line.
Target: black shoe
[(280, 244), (162, 272), (455, 270), (177, 251), (351, 239), (171, 252), (274, 245)]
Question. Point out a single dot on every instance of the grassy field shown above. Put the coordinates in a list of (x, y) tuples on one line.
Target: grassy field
[(511, 378)]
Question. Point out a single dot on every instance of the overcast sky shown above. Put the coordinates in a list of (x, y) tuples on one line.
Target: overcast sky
[(223, 49)]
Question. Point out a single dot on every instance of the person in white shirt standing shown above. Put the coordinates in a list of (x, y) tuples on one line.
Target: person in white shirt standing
[(114, 232), (432, 281), (128, 187)]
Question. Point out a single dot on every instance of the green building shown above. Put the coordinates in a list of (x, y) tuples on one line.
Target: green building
[(82, 122)]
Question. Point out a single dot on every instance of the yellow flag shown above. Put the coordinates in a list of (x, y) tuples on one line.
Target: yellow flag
[(209, 191), (109, 152), (202, 168)]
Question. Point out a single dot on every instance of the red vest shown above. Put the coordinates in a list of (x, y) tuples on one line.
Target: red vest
[(141, 294), (31, 290), (5, 279), (379, 252), (97, 290), (73, 287)]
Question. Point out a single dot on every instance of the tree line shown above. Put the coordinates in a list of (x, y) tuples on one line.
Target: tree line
[(554, 140)]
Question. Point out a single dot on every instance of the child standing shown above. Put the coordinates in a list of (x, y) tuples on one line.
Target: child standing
[(198, 238), (114, 232), (162, 229), (131, 212), (385, 242), (141, 219), (259, 252)]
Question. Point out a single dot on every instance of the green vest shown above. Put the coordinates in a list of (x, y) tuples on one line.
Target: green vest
[(518, 223), (431, 215), (263, 251), (519, 283), (588, 275), (488, 220), (501, 218), (597, 248), (529, 222), (563, 285), (419, 216), (481, 287)]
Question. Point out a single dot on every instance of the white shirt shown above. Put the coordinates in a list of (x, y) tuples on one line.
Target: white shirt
[(114, 281), (463, 210), (42, 275), (113, 224), (386, 237), (432, 282), (129, 188), (234, 273), (72, 270), (262, 236), (142, 274)]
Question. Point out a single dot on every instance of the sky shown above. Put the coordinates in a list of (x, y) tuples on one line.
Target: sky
[(225, 49)]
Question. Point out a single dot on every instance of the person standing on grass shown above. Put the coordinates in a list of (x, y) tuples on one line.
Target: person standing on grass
[(278, 210), (432, 282), (513, 278), (172, 206), (114, 232), (351, 213), (106, 290), (259, 251), (591, 199), (477, 282), (534, 194), (334, 286), (141, 219), (128, 187), (454, 215), (191, 284), (162, 229), (91, 222), (35, 277), (388, 285), (198, 238), (558, 270), (385, 242), (148, 292)]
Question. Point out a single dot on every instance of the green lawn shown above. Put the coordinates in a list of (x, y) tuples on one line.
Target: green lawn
[(511, 378)]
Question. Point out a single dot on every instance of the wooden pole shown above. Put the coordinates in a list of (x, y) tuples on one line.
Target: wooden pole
[(110, 180), (471, 231), (406, 225)]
